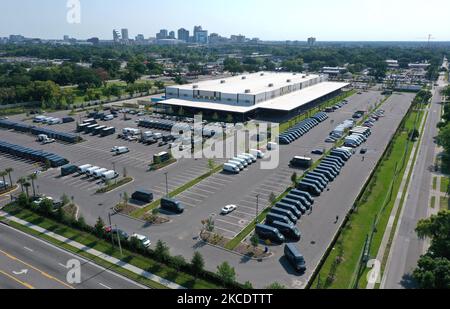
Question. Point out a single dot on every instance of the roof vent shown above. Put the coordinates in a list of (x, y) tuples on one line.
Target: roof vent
[(247, 91), (222, 81), (243, 77), (294, 74), (303, 76), (270, 85), (288, 81), (195, 87), (262, 74)]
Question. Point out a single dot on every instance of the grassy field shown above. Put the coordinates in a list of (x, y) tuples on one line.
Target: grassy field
[(93, 242), (376, 202), (434, 183)]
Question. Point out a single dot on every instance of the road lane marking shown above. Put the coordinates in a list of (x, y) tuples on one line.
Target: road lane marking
[(28, 249), (105, 286), (43, 273), (27, 285)]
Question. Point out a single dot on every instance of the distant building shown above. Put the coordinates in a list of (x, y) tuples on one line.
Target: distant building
[(238, 38), (421, 65), (94, 40), (311, 41), (140, 38), (16, 38), (116, 36), (172, 35), (162, 35), (200, 35), (183, 35), (333, 71), (392, 64), (66, 38), (125, 36)]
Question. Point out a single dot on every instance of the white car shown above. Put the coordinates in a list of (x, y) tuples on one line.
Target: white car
[(115, 148), (142, 239), (228, 209)]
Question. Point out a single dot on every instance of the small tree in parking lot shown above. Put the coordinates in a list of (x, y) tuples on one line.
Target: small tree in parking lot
[(65, 199), (254, 241), (294, 179)]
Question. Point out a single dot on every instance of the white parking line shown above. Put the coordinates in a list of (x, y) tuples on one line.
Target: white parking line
[(183, 196), (201, 190), (226, 222), (105, 286)]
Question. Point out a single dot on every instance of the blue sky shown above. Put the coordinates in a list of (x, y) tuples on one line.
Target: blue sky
[(337, 20)]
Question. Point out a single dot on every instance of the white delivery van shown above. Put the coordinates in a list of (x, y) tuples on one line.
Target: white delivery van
[(98, 173), (109, 175), (272, 146), (237, 163), (121, 150), (242, 161), (257, 153), (252, 157), (231, 168), (90, 171), (83, 168)]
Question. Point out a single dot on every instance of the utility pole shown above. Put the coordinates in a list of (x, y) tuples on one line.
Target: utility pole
[(118, 239), (114, 169), (257, 209), (110, 226), (167, 185)]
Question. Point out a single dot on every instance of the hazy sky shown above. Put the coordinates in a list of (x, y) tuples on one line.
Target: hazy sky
[(336, 20)]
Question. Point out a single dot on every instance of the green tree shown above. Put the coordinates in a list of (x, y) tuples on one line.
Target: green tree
[(437, 228), (197, 263), (162, 251), (226, 273), (177, 262), (27, 186), (99, 227), (33, 177), (9, 170), (21, 182), (432, 273), (254, 240), (65, 200), (294, 179), (247, 285)]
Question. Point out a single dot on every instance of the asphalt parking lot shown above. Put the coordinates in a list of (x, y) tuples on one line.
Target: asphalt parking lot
[(208, 197)]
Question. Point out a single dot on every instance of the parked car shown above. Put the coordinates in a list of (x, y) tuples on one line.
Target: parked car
[(145, 241), (228, 209)]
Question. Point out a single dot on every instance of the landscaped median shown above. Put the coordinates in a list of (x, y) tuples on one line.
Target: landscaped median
[(341, 265), (156, 262), (293, 121), (140, 213), (112, 186)]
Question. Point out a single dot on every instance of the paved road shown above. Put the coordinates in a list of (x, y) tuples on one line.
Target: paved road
[(407, 247), (27, 262)]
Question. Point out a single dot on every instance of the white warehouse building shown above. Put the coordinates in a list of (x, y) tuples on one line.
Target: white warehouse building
[(251, 95)]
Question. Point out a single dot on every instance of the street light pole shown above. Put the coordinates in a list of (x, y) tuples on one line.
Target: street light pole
[(257, 209), (167, 185), (110, 226), (114, 169), (118, 240)]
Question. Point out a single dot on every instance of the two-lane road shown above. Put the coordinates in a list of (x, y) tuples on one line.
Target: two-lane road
[(29, 263)]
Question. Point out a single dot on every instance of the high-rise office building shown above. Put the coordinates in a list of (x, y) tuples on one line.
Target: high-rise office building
[(311, 41), (125, 36), (200, 35), (116, 35), (183, 35), (162, 35), (172, 35)]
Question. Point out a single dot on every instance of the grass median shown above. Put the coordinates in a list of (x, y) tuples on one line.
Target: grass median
[(375, 205), (93, 242), (112, 186)]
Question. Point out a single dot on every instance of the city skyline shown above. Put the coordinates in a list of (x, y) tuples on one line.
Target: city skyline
[(352, 20)]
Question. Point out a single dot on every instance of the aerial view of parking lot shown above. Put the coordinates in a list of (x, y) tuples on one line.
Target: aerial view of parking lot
[(209, 160)]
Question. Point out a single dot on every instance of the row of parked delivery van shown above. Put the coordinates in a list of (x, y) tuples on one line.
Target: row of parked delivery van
[(302, 128), (316, 181), (358, 136), (90, 171), (240, 162)]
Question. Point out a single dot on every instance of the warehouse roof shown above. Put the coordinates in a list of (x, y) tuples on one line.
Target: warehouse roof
[(255, 83), (283, 103)]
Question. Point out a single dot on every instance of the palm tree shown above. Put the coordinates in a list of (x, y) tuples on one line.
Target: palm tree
[(21, 182), (27, 186), (33, 177), (3, 174), (9, 170)]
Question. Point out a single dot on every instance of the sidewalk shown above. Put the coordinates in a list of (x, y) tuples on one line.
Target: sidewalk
[(98, 254)]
